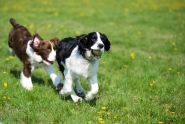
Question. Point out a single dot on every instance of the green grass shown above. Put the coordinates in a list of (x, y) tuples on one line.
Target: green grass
[(147, 88)]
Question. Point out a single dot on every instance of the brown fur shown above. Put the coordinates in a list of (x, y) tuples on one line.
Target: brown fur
[(18, 39)]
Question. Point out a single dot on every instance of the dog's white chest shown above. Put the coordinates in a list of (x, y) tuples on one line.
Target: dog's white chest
[(80, 66)]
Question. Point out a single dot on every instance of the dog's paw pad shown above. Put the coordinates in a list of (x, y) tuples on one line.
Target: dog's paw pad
[(79, 100), (59, 86)]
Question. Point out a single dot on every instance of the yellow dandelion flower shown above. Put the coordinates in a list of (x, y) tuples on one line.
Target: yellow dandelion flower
[(77, 32), (138, 33), (169, 69), (173, 43), (51, 122), (56, 14), (31, 26), (7, 59), (126, 9), (104, 63), (149, 57), (132, 55), (100, 112), (9, 98), (178, 72), (128, 115), (101, 122), (126, 108), (173, 113), (115, 116), (4, 72), (103, 108), (160, 122), (175, 49), (4, 97), (100, 119), (5, 84), (151, 84), (108, 113)]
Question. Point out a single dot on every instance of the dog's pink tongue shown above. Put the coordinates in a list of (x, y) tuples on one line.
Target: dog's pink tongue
[(97, 57)]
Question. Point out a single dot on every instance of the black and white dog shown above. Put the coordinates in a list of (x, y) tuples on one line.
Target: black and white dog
[(79, 57)]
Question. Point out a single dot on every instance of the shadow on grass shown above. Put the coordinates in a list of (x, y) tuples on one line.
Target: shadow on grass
[(17, 74)]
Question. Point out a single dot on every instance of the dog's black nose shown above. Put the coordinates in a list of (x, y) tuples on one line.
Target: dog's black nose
[(100, 46)]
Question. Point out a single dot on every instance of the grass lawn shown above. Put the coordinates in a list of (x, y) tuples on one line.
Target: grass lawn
[(141, 79)]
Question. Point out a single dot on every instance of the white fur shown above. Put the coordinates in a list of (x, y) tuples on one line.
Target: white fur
[(26, 82), (52, 55)]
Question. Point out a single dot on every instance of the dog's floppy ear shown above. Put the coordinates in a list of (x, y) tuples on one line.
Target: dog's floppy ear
[(55, 42), (36, 40), (106, 42), (82, 40)]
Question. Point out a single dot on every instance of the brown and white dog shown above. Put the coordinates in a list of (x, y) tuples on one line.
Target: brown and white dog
[(34, 52)]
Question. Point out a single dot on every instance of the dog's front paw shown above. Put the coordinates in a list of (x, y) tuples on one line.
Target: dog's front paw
[(82, 93), (64, 92), (78, 100), (59, 86), (89, 96)]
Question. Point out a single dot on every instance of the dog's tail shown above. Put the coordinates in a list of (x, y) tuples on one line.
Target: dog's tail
[(13, 22)]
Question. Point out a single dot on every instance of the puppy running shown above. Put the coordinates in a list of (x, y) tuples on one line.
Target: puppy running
[(34, 52), (79, 57)]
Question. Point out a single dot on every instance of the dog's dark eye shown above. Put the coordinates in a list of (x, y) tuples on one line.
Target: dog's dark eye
[(94, 38)]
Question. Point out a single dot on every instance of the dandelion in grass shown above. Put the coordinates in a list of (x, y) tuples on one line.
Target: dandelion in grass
[(151, 84), (172, 113), (175, 49), (5, 84), (160, 122), (9, 98), (31, 26), (169, 69), (138, 33), (178, 72), (100, 119), (104, 62), (103, 108), (115, 116), (128, 115), (126, 108), (132, 55), (108, 113), (149, 57), (4, 97), (56, 14), (77, 32), (4, 72)]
